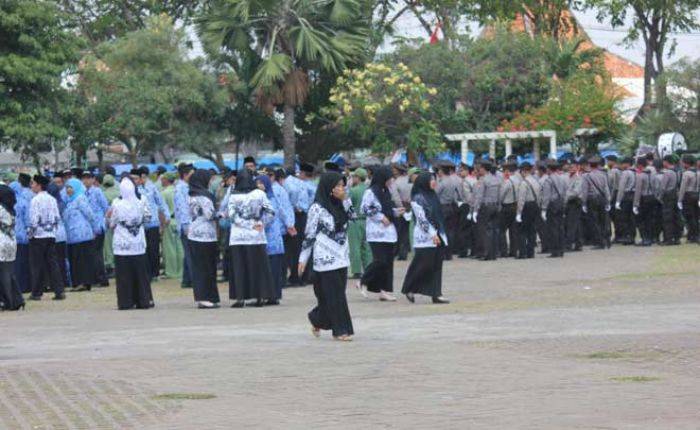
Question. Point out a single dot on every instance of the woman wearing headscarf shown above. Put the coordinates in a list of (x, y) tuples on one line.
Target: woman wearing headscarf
[(127, 217), (22, 271), (111, 192), (249, 210), (61, 251), (10, 296), (379, 209), (275, 244), (424, 274), (81, 227), (326, 239), (202, 240)]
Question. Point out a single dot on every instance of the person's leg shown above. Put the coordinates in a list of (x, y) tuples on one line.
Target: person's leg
[(355, 246), (186, 263), (36, 265), (100, 272), (53, 268)]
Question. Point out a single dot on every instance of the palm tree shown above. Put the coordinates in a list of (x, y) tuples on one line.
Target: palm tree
[(286, 41)]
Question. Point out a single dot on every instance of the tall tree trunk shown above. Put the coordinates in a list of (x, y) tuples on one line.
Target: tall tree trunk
[(134, 156), (648, 74), (289, 142), (101, 160)]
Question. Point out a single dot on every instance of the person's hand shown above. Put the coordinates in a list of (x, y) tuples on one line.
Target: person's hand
[(680, 206), (258, 227), (292, 231), (544, 215), (301, 268), (584, 208), (469, 216), (635, 210), (518, 218), (400, 211), (618, 206), (436, 240), (386, 221), (474, 216)]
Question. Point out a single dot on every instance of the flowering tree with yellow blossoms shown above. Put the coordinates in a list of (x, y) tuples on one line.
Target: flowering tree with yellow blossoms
[(388, 106)]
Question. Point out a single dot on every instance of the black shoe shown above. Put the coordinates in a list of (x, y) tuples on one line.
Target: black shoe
[(440, 300), (238, 304), (104, 284), (259, 303), (410, 297), (35, 298), (61, 296), (272, 302)]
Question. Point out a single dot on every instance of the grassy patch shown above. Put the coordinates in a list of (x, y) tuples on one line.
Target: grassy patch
[(185, 396), (635, 379), (626, 354), (669, 261)]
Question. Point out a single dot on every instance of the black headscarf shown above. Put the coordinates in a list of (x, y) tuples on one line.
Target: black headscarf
[(428, 200), (380, 175), (327, 182), (199, 184), (55, 192), (8, 199), (245, 182)]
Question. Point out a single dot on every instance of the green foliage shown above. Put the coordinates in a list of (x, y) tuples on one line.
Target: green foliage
[(387, 107), (684, 99), (35, 53), (140, 89)]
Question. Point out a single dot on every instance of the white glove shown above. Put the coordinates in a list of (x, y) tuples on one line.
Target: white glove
[(544, 215), (680, 206), (474, 216), (584, 208), (518, 218), (607, 208), (469, 216), (618, 206), (635, 210)]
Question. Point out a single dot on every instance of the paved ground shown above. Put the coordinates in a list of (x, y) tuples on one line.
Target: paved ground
[(600, 340)]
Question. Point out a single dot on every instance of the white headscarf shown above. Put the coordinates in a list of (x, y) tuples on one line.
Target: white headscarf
[(127, 190)]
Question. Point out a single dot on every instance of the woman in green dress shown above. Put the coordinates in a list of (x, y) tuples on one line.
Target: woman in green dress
[(360, 253), (173, 253), (111, 192)]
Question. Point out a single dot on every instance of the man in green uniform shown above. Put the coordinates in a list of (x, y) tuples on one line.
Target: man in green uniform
[(173, 253), (360, 253), (111, 192)]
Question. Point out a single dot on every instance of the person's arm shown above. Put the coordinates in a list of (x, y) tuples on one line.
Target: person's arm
[(286, 209), (86, 210), (267, 211), (371, 207), (637, 190), (422, 221), (33, 218), (522, 193), (685, 183), (312, 220)]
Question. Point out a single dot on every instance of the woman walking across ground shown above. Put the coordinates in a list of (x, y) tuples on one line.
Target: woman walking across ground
[(424, 274), (249, 210), (10, 297), (126, 217), (202, 240), (327, 240), (379, 209), (81, 226)]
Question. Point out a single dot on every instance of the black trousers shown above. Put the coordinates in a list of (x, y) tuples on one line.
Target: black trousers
[(528, 231), (555, 228), (691, 213), (403, 245), (44, 266), (101, 273), (625, 217), (671, 218), (331, 311), (600, 221), (574, 228), (153, 251), (204, 256), (10, 296), (379, 275), (292, 248), (487, 224), (465, 233), (22, 268), (451, 225), (657, 221), (279, 278), (615, 217), (645, 219), (133, 281), (507, 224)]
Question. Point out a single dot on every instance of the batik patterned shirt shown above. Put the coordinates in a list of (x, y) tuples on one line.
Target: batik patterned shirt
[(328, 244), (8, 244), (203, 218), (375, 229), (44, 217), (128, 219), (246, 211)]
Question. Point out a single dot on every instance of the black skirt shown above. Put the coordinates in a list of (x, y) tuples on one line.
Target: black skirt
[(251, 277), (424, 274), (331, 312), (133, 282), (379, 275), (81, 257), (204, 255), (10, 296), (279, 277)]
